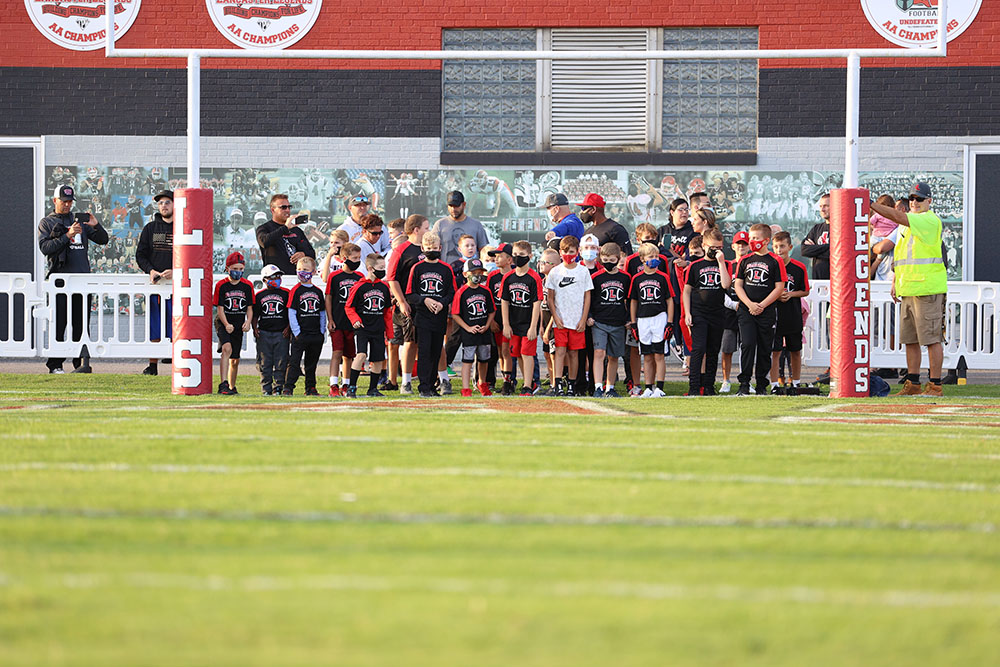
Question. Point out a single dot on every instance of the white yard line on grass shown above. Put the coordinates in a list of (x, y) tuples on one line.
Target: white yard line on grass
[(496, 519), (497, 473), (503, 587)]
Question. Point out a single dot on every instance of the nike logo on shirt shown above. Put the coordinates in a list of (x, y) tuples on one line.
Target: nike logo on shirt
[(567, 281)]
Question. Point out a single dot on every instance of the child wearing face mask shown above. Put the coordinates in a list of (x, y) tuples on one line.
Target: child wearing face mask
[(520, 302), (608, 316), (270, 328), (694, 251), (651, 301), (498, 264), (307, 320), (338, 286), (233, 301), (473, 312), (568, 288), (704, 296), (369, 308), (731, 334), (430, 291), (760, 282)]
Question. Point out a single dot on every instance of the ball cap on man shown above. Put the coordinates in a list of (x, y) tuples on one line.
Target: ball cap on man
[(921, 189), (456, 198), (64, 193), (556, 199), (169, 194), (503, 247), (592, 200), (235, 257)]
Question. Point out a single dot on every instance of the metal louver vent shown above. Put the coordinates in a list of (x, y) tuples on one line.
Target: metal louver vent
[(599, 105)]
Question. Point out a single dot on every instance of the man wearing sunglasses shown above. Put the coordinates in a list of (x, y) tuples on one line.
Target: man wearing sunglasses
[(359, 206), (281, 241), (920, 283)]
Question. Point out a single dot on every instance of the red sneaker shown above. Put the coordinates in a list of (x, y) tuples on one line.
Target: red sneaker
[(466, 393), (334, 390), (484, 389), (344, 388)]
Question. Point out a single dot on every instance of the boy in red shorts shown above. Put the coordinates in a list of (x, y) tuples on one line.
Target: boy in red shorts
[(520, 301), (338, 287), (567, 290)]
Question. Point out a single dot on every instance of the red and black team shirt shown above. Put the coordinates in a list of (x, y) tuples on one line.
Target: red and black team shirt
[(430, 280), (234, 299), (609, 300), (651, 291), (474, 305), (521, 293), (493, 282), (338, 287), (308, 303), (760, 273), (708, 299), (369, 302), (270, 306), (790, 312), (401, 263)]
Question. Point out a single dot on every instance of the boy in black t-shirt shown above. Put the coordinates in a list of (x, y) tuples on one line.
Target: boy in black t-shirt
[(270, 328), (369, 308), (707, 280), (731, 334), (521, 294), (760, 280), (788, 331), (429, 292), (652, 313), (473, 311), (307, 320), (233, 301), (338, 286), (608, 315)]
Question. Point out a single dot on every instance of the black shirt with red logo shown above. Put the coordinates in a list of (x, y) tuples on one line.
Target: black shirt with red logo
[(521, 293), (708, 299), (760, 273), (474, 305), (609, 300), (370, 303), (435, 281), (309, 305), (402, 262), (338, 287), (651, 291), (234, 299), (270, 306), (790, 312)]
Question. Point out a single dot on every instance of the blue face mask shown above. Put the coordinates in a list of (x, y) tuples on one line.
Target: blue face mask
[(490, 267), (589, 255), (274, 283), (305, 276), (236, 274), (653, 263)]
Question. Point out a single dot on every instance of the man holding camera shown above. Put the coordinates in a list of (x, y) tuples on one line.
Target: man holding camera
[(64, 238), (282, 242)]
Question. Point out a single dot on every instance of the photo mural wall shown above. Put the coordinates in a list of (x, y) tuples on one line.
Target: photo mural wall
[(507, 201)]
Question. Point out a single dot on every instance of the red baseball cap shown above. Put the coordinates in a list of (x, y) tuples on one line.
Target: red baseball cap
[(235, 258), (741, 237), (593, 199)]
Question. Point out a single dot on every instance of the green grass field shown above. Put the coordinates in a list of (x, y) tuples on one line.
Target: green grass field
[(140, 528)]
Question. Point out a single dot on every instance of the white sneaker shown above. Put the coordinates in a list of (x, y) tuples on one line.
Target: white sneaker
[(647, 393), (725, 388), (657, 393)]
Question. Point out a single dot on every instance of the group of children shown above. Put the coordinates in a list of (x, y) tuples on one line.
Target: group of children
[(496, 307)]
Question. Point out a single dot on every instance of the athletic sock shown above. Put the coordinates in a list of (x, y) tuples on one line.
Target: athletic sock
[(913, 377), (774, 384), (373, 383), (407, 378), (934, 380), (354, 377), (659, 385), (649, 387), (795, 383), (609, 387), (334, 380)]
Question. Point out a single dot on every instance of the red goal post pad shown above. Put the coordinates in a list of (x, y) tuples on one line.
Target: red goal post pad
[(850, 303), (192, 278)]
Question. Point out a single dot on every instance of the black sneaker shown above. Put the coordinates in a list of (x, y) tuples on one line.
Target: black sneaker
[(311, 391), (265, 392), (599, 392), (428, 394), (352, 392), (229, 391), (223, 387), (375, 393), (763, 389), (526, 391), (570, 391), (288, 392), (389, 386), (744, 390), (791, 390), (508, 388), (611, 393), (777, 391), (150, 370), (708, 391)]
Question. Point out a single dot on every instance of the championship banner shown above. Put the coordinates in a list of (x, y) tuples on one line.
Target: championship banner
[(850, 314), (192, 368)]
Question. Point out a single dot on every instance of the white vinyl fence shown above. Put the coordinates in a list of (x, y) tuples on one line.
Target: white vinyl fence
[(119, 320)]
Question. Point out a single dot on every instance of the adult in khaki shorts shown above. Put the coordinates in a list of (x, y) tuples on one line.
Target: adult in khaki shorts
[(920, 283)]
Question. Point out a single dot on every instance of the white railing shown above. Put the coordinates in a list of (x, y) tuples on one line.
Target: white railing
[(119, 320)]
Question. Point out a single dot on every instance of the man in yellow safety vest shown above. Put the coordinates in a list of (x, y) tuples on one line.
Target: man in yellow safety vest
[(921, 282)]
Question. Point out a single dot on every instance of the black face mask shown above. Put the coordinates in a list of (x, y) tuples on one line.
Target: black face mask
[(586, 217), (609, 266), (521, 260), (353, 266), (711, 253), (432, 254), (378, 273)]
